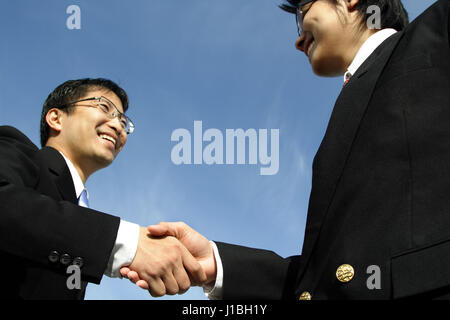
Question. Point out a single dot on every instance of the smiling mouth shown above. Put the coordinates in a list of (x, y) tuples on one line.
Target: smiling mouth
[(310, 48), (108, 138)]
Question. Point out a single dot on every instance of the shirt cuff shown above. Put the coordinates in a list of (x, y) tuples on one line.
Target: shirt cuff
[(124, 249), (215, 292)]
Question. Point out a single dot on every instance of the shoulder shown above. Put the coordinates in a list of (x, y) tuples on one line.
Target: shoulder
[(12, 139), (17, 155), (14, 135), (435, 18), (425, 41)]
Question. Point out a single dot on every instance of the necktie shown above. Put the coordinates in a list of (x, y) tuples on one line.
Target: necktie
[(83, 199), (345, 83), (348, 75)]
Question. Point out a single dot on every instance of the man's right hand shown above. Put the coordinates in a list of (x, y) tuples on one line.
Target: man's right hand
[(165, 264), (199, 246)]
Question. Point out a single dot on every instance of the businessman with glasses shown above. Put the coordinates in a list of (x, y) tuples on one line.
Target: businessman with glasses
[(46, 225), (378, 223)]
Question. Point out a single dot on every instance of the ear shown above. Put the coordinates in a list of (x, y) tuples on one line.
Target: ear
[(54, 119), (351, 4)]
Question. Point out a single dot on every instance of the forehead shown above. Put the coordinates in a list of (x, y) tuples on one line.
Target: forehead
[(108, 94)]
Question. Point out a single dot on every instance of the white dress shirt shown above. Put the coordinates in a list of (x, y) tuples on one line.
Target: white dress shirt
[(369, 46), (367, 49), (126, 243)]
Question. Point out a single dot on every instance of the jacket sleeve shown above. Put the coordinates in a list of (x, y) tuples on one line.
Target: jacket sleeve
[(33, 225), (257, 274)]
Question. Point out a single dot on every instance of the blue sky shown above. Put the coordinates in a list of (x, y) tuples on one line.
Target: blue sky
[(230, 64)]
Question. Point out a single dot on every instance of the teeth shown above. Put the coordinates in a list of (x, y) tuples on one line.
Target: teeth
[(104, 136)]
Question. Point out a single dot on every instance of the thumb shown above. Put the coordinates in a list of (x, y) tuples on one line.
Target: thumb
[(158, 230), (163, 229)]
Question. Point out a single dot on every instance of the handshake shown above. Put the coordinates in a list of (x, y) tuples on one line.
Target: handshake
[(170, 258)]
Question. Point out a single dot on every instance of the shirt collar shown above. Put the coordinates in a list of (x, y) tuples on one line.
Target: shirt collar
[(77, 182), (367, 49)]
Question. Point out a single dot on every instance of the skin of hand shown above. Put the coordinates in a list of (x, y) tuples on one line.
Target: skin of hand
[(199, 246), (165, 265)]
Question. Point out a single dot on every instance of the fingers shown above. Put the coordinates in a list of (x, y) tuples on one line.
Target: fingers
[(134, 277), (172, 283), (161, 265), (156, 287), (143, 284), (183, 281), (124, 271), (193, 267), (176, 283)]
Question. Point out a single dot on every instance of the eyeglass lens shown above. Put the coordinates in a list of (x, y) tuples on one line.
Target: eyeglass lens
[(112, 111)]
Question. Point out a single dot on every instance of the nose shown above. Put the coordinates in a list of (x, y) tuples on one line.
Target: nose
[(114, 123), (120, 132)]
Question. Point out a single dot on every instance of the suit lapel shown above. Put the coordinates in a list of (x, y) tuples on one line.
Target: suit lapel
[(59, 172), (333, 152)]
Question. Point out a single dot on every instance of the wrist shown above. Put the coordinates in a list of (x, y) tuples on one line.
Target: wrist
[(211, 269)]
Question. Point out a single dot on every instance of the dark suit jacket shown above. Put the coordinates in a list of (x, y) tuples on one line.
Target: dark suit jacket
[(381, 183), (40, 222)]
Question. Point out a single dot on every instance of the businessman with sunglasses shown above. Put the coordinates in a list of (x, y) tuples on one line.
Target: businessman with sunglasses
[(378, 224), (46, 225)]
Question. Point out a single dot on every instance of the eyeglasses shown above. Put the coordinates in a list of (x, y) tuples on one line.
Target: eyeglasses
[(300, 13), (110, 110)]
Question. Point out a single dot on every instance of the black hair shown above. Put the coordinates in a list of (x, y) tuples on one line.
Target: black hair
[(393, 14), (72, 90)]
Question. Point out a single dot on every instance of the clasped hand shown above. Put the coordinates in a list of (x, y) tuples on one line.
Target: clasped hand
[(170, 258)]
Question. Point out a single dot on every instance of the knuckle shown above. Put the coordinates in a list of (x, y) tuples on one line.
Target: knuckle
[(172, 258), (175, 250), (154, 270), (181, 224), (197, 268)]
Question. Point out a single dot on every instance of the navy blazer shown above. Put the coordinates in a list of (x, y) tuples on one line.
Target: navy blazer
[(42, 229), (381, 184)]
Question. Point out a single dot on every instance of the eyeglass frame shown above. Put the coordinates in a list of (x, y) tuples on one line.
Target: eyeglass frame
[(299, 16), (111, 116)]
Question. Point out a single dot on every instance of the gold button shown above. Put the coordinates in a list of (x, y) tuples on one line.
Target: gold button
[(305, 296), (345, 273)]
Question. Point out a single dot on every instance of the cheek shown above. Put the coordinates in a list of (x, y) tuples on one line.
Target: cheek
[(329, 53), (330, 24), (123, 141)]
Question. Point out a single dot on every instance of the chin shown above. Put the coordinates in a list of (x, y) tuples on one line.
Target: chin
[(105, 160), (326, 67)]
